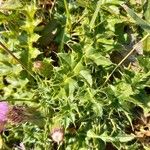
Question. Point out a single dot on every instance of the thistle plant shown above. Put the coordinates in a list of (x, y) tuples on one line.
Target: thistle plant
[(66, 75)]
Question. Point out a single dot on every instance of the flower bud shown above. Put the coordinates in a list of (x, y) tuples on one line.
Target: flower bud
[(37, 65), (43, 68)]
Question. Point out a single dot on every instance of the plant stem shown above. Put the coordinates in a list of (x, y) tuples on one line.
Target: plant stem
[(9, 52), (135, 46)]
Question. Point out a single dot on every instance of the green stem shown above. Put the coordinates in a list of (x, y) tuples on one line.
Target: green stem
[(68, 15), (9, 52)]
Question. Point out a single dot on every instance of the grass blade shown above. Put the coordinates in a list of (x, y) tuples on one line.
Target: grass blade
[(145, 25), (136, 45)]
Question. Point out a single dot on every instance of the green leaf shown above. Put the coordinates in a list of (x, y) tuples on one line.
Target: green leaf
[(147, 11), (97, 108), (95, 14), (146, 45), (124, 90), (103, 136), (100, 60), (78, 67), (34, 37), (125, 138), (10, 5), (34, 53), (87, 76), (86, 3), (91, 134), (61, 94), (65, 58), (107, 138), (145, 25), (72, 117), (96, 56), (112, 2), (72, 84)]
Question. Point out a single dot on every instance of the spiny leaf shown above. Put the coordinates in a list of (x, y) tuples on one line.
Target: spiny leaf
[(95, 14), (87, 76), (100, 60), (122, 138)]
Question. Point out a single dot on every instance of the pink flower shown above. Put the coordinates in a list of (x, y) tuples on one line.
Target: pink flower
[(57, 135), (4, 109)]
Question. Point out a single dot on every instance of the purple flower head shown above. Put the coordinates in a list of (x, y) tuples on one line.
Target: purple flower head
[(4, 109)]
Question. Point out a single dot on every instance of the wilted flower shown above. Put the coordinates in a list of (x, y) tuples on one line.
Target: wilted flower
[(57, 135), (17, 114), (13, 114), (4, 109), (2, 126)]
